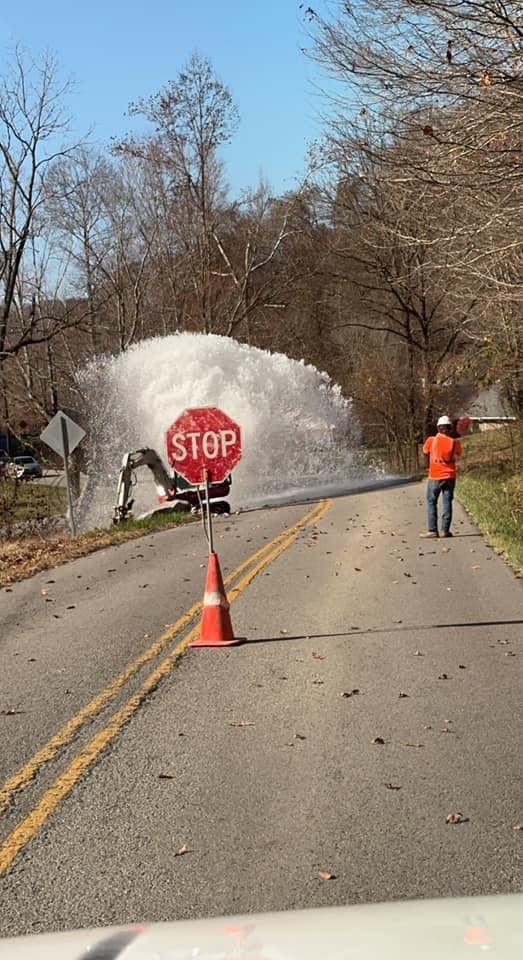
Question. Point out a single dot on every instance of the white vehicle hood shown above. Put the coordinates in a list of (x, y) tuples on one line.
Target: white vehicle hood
[(413, 930)]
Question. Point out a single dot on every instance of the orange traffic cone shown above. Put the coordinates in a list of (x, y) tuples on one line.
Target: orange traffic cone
[(216, 627)]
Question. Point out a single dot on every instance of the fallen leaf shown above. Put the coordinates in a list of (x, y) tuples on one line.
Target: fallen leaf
[(299, 736), (504, 641), (11, 712), (349, 693), (391, 786), (357, 569), (71, 606), (241, 723), (318, 682), (181, 851), (379, 740), (318, 656), (413, 744), (401, 694), (518, 826), (475, 566), (461, 666), (418, 653), (165, 776), (510, 653), (112, 570), (397, 621), (325, 875), (456, 818), (444, 676), (44, 592)]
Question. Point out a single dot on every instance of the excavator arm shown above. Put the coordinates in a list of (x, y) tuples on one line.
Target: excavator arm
[(165, 485)]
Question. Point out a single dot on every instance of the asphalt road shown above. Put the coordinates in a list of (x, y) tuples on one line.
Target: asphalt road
[(251, 759)]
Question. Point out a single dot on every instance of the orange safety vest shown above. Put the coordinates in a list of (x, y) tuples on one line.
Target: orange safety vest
[(442, 451)]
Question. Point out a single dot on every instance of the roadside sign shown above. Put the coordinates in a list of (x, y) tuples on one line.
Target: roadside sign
[(463, 425), (203, 443), (53, 433), (63, 436)]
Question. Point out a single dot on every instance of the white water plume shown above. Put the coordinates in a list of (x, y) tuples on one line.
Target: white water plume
[(298, 431)]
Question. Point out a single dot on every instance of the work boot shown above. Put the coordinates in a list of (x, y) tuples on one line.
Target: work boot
[(430, 535)]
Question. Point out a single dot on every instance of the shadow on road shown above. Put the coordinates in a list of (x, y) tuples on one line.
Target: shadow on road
[(356, 632)]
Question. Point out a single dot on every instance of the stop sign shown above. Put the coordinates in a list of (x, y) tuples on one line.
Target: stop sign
[(201, 439), (463, 425)]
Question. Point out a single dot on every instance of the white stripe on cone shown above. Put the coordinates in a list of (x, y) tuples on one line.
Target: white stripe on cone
[(215, 599)]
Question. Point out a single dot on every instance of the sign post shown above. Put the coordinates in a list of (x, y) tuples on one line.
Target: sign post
[(63, 436), (204, 446)]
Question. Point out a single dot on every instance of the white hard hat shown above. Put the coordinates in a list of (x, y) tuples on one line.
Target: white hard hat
[(444, 421)]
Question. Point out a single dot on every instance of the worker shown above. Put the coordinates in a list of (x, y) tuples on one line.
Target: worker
[(442, 451)]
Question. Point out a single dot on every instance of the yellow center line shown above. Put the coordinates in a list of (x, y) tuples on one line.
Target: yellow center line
[(63, 785), (20, 780)]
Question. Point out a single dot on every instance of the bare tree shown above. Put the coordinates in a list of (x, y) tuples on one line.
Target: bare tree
[(193, 116), (32, 124)]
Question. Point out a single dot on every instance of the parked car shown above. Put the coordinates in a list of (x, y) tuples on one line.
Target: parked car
[(27, 468)]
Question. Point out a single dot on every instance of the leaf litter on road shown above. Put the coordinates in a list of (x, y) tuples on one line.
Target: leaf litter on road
[(241, 723), (456, 818), (181, 851), (392, 786), (379, 740), (326, 875)]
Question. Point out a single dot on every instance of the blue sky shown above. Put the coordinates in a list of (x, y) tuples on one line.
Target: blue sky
[(117, 51)]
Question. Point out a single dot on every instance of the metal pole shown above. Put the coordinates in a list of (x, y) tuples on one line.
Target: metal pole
[(65, 443), (209, 515)]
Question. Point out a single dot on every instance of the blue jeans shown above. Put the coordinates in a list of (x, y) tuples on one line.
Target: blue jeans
[(434, 488)]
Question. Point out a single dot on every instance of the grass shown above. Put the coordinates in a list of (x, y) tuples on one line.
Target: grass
[(490, 487), (23, 558), (31, 501)]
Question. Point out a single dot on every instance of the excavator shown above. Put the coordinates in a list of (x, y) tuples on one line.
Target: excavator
[(171, 488)]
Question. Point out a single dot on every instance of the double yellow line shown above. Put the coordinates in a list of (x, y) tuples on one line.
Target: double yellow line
[(62, 786)]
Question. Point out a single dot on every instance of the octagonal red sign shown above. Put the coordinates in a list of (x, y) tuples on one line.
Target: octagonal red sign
[(201, 439)]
